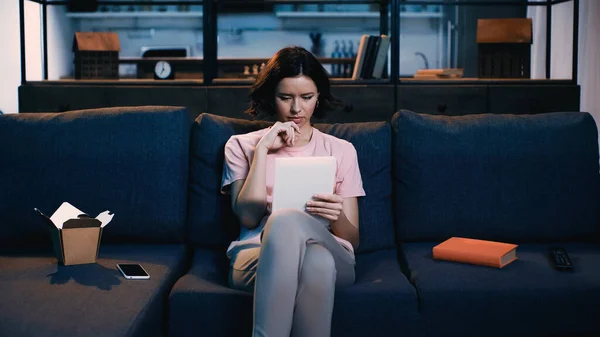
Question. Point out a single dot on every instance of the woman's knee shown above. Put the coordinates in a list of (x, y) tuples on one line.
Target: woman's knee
[(285, 222), (285, 216), (318, 267), (242, 269)]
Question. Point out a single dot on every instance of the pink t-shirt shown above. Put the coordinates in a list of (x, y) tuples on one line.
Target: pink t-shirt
[(239, 152)]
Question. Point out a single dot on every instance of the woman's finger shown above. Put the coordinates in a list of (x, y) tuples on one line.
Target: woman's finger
[(286, 139), (290, 133), (296, 127), (293, 135), (326, 216), (290, 140), (329, 197), (293, 129), (285, 135), (323, 210), (321, 204)]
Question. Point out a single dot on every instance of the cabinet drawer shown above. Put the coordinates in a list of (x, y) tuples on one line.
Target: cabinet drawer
[(229, 101), (60, 98), (362, 104), (443, 100), (533, 99), (65, 97)]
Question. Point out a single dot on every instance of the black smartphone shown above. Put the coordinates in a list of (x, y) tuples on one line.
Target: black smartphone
[(133, 271)]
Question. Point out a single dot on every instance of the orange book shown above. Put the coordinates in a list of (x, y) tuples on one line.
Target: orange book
[(473, 251)]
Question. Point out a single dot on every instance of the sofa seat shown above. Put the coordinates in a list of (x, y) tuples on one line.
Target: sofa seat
[(525, 298), (42, 298), (380, 302)]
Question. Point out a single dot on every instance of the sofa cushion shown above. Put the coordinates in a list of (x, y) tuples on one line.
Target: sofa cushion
[(526, 298), (516, 178), (374, 150), (132, 161), (211, 221), (380, 301), (202, 302), (41, 298)]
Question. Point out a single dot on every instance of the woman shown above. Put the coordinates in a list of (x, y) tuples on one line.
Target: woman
[(289, 259)]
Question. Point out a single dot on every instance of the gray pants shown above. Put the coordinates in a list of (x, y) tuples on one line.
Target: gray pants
[(300, 266)]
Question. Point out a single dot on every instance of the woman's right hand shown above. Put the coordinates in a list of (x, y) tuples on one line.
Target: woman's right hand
[(279, 135)]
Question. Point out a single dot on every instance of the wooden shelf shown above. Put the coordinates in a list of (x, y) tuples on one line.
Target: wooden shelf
[(133, 15), (421, 15), (221, 61), (346, 15), (304, 15), (119, 82), (334, 81), (474, 80)]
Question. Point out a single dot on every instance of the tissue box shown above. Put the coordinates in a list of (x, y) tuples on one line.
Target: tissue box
[(75, 236)]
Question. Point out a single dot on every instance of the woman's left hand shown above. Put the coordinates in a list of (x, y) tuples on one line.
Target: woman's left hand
[(328, 206)]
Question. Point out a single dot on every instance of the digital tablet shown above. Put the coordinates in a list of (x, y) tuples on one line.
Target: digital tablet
[(297, 179)]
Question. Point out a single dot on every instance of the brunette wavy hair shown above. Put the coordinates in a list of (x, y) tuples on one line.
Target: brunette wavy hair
[(290, 62)]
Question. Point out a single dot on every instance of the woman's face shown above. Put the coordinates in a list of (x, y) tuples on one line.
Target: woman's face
[(295, 100)]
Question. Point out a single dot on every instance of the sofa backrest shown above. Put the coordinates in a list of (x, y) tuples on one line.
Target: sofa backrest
[(132, 161), (518, 178), (211, 222)]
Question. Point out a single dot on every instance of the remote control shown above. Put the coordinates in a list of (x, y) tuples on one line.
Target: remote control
[(560, 258)]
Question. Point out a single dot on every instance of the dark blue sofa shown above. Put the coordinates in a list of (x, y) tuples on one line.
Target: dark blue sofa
[(529, 179)]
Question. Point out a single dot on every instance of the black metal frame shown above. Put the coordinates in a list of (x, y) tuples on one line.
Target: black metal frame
[(210, 15), (548, 36)]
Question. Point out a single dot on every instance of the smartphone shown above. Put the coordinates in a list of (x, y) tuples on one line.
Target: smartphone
[(133, 271)]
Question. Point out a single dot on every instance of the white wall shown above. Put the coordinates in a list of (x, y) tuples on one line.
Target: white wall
[(561, 59), (59, 48), (33, 41), (10, 56), (60, 43)]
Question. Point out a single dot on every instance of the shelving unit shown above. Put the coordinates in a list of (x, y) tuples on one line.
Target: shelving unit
[(389, 21), (327, 15), (374, 99)]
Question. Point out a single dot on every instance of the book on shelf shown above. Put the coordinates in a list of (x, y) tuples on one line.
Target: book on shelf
[(439, 73), (474, 251), (371, 56), (360, 56), (381, 58)]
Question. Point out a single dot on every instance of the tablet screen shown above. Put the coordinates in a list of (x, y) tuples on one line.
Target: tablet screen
[(297, 179)]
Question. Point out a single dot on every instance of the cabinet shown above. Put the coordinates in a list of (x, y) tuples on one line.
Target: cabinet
[(444, 100), (363, 102), (534, 99), (53, 98)]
